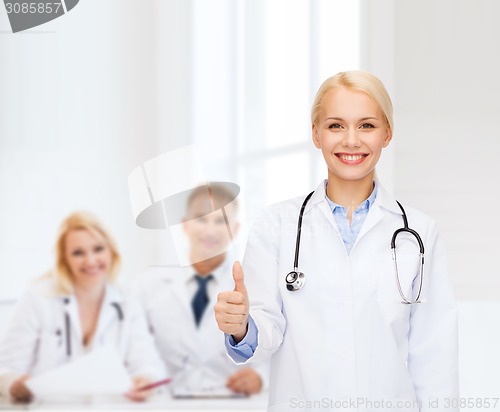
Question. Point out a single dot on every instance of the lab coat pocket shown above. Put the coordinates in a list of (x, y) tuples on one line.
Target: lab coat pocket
[(388, 293)]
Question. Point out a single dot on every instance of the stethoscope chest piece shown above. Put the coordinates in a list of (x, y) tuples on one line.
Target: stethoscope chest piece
[(295, 280)]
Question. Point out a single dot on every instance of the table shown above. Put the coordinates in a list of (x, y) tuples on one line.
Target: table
[(163, 402)]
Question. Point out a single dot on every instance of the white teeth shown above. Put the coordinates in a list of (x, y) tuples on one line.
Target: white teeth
[(351, 157)]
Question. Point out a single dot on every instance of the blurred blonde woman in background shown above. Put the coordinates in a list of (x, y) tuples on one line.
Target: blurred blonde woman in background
[(74, 310)]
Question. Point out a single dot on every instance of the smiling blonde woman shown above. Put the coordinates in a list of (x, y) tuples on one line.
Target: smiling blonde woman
[(338, 320), (74, 310)]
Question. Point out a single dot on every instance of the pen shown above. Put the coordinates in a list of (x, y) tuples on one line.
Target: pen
[(155, 384)]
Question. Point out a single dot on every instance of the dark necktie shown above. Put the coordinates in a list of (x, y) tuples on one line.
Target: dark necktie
[(200, 299)]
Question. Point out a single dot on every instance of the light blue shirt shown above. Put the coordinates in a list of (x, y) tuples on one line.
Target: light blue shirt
[(245, 349), (350, 232)]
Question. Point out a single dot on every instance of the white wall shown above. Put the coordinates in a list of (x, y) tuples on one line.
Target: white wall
[(377, 56), (85, 99), (447, 88)]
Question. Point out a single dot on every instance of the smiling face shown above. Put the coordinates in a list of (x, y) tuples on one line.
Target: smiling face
[(351, 131), (88, 257), (207, 230)]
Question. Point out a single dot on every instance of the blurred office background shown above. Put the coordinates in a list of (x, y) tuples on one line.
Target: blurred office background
[(90, 96)]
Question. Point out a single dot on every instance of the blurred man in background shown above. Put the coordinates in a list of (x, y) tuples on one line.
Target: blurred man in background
[(179, 302)]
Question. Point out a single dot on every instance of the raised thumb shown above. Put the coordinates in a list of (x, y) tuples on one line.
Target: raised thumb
[(239, 284)]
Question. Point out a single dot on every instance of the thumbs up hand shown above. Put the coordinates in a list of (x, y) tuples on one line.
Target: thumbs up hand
[(231, 309)]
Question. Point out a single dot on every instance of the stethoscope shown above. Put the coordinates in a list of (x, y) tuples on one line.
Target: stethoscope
[(67, 323), (295, 280)]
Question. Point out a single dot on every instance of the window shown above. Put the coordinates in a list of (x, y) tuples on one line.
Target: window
[(256, 67)]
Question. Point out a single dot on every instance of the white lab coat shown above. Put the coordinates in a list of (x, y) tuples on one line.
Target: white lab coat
[(346, 336), (195, 356), (35, 341)]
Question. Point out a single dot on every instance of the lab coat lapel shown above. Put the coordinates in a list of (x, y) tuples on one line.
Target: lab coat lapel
[(383, 202), (184, 297), (108, 312), (174, 292), (317, 197), (374, 216), (178, 302), (71, 308), (318, 200)]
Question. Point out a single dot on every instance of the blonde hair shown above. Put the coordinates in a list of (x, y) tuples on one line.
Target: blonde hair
[(80, 221), (358, 80)]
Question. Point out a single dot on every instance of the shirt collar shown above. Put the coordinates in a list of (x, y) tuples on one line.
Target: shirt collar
[(384, 199), (366, 204)]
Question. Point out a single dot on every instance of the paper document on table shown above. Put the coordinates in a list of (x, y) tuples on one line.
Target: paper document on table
[(101, 372)]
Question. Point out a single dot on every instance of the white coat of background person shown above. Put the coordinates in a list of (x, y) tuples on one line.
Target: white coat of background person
[(345, 340), (194, 353), (77, 300)]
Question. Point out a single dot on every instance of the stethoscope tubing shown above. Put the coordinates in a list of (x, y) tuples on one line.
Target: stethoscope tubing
[(296, 283), (299, 229)]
